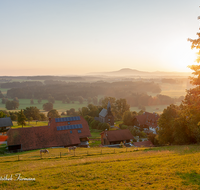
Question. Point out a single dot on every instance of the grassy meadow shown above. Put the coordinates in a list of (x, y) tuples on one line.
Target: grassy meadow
[(62, 107), (172, 167), (58, 105)]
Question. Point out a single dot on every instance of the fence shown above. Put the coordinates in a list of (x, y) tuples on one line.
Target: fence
[(56, 153)]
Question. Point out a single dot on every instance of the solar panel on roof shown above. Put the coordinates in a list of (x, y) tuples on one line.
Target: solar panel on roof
[(66, 127), (75, 118)]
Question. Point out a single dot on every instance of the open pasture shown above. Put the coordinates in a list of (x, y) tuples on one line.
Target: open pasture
[(173, 167), (58, 105), (157, 108)]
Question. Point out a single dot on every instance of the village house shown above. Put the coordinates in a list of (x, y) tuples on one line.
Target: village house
[(60, 132), (106, 116), (116, 137), (147, 121)]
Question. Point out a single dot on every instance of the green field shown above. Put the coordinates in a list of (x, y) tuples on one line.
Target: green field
[(173, 167), (23, 103)]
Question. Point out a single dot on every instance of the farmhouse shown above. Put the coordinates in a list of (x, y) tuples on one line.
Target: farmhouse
[(106, 116), (147, 121), (68, 131), (116, 137)]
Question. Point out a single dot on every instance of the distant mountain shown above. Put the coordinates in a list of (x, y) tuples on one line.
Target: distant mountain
[(136, 73)]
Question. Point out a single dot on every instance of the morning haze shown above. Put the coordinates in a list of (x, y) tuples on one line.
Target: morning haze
[(76, 37), (99, 94)]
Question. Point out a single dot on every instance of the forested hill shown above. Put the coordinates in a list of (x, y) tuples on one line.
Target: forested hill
[(59, 90)]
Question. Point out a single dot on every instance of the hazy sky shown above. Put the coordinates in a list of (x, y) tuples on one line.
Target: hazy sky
[(61, 37)]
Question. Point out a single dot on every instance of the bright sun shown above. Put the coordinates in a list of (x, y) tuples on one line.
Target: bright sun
[(180, 56)]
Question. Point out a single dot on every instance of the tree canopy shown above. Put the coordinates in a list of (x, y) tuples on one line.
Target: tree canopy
[(53, 114), (21, 118)]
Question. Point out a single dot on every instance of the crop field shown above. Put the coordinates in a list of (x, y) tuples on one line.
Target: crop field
[(173, 167)]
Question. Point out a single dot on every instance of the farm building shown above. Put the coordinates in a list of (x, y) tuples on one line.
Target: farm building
[(60, 132), (147, 121), (116, 137), (106, 116)]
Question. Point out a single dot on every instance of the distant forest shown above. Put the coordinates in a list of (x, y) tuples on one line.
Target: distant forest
[(134, 92)]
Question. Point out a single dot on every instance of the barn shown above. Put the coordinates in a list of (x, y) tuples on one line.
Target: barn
[(60, 132)]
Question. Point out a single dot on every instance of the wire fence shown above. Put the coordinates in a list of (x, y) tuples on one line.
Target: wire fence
[(56, 153)]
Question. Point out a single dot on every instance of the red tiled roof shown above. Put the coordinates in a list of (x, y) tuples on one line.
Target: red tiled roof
[(147, 118), (118, 135), (144, 144), (3, 138), (47, 136)]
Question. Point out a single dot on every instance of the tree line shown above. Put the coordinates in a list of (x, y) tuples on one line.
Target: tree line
[(73, 90)]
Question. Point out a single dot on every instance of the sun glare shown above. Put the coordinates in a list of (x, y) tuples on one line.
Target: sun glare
[(180, 55)]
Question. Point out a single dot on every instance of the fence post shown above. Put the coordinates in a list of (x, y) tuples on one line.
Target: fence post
[(60, 154)]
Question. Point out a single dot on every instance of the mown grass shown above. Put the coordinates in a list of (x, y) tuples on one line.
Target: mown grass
[(175, 168)]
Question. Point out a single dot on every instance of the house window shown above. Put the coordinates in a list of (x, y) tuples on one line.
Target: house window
[(68, 123), (79, 131), (71, 132)]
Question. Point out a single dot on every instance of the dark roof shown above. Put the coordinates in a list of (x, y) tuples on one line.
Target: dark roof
[(147, 118), (144, 144), (118, 135), (103, 112), (5, 122), (48, 136)]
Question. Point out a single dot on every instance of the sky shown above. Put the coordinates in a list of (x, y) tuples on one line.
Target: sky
[(76, 37)]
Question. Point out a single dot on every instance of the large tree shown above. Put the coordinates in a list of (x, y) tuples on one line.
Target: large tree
[(47, 106), (12, 105), (32, 112), (21, 118), (53, 114), (180, 124)]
